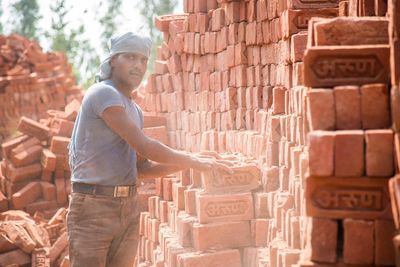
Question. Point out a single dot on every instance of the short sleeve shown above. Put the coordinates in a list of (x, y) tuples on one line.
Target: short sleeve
[(104, 97), (141, 116)]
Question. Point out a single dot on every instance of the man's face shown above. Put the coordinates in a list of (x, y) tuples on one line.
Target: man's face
[(129, 68)]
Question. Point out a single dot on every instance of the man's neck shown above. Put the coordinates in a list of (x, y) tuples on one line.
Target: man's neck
[(124, 88)]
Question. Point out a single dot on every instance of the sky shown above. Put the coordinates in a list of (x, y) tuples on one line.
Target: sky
[(130, 19)]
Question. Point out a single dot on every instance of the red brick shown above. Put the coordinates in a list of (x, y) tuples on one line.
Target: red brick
[(218, 19), (167, 188), (347, 107), (359, 242), (200, 6), (58, 247), (375, 106), (278, 103), (24, 145), (33, 128), (17, 256), (379, 153), (40, 257), (59, 145), (384, 250), (219, 235), (48, 160), (190, 201), (395, 107), (3, 207), (351, 31), (217, 258), (349, 153), (23, 173), (294, 4), (202, 24), (71, 110), (321, 109), (294, 21), (259, 228), (364, 64), (48, 191), (217, 208), (240, 75), (233, 12), (26, 195), (243, 179), (251, 33), (61, 127), (11, 144), (347, 197), (28, 156), (322, 239), (6, 244), (298, 46), (162, 22), (61, 193), (321, 153)]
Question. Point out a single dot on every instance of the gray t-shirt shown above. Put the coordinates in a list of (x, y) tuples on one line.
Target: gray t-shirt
[(97, 155)]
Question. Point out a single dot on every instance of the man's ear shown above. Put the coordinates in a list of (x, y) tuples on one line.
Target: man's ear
[(112, 60)]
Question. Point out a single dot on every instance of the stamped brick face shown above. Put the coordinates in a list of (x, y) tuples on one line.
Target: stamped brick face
[(326, 69), (340, 198), (232, 207), (243, 179)]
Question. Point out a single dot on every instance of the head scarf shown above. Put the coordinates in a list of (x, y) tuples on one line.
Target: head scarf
[(125, 43)]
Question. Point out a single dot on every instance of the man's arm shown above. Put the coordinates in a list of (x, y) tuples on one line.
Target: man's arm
[(116, 118), (148, 170)]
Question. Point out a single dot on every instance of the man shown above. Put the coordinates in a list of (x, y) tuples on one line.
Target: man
[(103, 213)]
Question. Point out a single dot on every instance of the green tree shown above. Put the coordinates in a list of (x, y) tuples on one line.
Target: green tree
[(25, 17), (149, 10), (109, 21), (73, 43), (1, 16)]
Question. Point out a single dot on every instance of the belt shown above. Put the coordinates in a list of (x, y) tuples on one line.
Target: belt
[(104, 190)]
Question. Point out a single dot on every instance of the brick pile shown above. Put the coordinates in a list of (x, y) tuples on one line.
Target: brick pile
[(193, 216), (31, 81), (33, 241), (394, 40), (230, 78), (35, 174), (350, 143), (35, 171), (35, 181)]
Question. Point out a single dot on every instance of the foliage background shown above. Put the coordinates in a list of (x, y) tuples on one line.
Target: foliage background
[(82, 29)]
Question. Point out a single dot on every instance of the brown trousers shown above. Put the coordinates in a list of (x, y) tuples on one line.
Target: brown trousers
[(102, 231)]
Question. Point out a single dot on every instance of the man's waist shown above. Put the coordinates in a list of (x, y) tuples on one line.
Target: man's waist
[(104, 190)]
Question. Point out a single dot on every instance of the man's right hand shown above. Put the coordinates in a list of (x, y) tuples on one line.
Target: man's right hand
[(210, 164)]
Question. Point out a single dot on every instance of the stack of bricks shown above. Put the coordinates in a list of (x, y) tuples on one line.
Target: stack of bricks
[(31, 81), (351, 141), (33, 241), (204, 219), (35, 172), (394, 184), (228, 78)]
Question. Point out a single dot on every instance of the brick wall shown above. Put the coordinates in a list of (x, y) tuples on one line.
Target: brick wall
[(230, 77)]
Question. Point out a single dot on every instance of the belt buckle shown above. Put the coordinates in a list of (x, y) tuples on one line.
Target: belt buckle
[(121, 191)]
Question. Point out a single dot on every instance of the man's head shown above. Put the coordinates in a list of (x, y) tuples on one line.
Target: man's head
[(128, 68), (127, 61)]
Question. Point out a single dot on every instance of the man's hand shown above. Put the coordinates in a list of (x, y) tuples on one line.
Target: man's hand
[(210, 164)]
